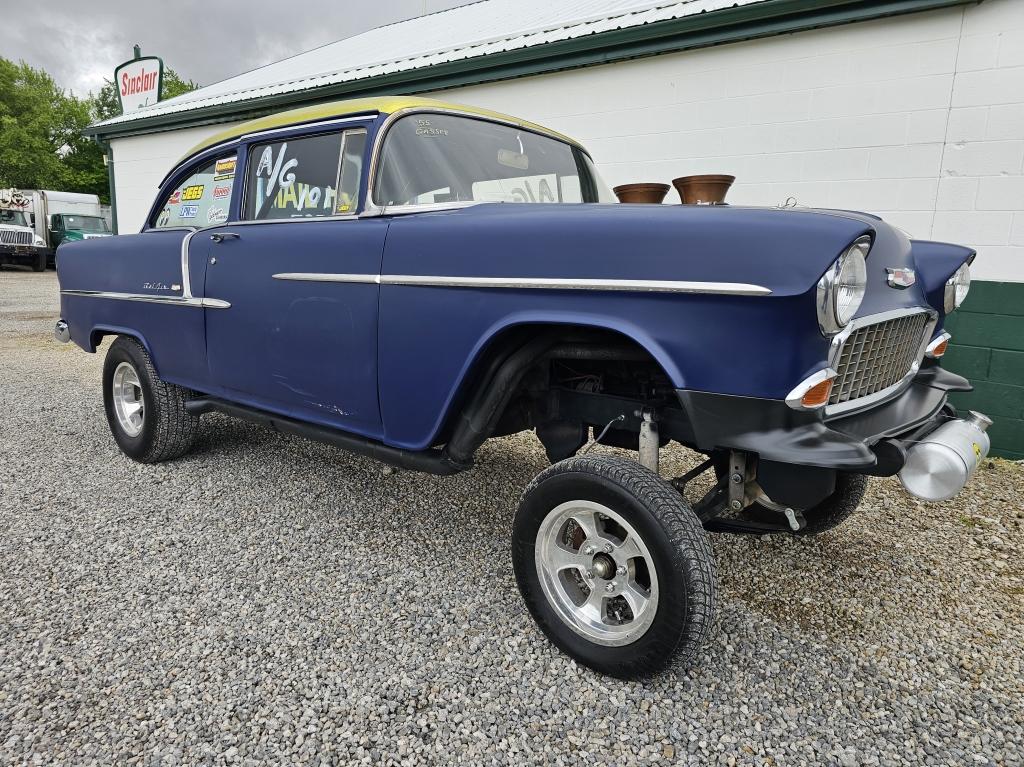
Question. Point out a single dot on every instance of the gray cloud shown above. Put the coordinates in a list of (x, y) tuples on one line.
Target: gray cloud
[(205, 41)]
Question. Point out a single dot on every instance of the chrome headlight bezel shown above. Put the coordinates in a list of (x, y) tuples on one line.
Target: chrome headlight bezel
[(38, 241), (957, 288), (842, 288)]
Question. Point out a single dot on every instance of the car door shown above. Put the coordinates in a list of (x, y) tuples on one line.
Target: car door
[(299, 271)]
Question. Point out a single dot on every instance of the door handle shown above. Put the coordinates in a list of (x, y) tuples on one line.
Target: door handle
[(221, 236)]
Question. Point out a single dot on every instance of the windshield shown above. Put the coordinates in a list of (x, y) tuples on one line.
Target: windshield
[(85, 223), (438, 158), (13, 218)]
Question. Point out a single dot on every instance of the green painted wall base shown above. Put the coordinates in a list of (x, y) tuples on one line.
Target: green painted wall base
[(988, 348)]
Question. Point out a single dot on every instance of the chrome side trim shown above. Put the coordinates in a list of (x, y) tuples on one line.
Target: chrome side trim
[(202, 303), (186, 283), (365, 279), (533, 283)]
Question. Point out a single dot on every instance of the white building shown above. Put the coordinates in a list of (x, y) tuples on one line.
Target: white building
[(912, 109)]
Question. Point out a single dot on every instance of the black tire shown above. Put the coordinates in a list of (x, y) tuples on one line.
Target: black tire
[(828, 514), (39, 265), (674, 537), (168, 429)]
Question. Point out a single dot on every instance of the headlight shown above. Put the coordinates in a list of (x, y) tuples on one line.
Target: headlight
[(842, 288), (39, 241), (957, 287)]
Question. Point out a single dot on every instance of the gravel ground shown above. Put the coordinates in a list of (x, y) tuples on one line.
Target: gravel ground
[(268, 599)]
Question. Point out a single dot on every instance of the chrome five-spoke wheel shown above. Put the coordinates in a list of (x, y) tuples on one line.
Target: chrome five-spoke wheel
[(596, 572), (127, 399)]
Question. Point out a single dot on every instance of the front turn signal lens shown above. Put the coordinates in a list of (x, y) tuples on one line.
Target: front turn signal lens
[(813, 392), (938, 346), (817, 395)]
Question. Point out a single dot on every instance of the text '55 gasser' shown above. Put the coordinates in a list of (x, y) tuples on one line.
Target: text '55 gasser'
[(405, 279)]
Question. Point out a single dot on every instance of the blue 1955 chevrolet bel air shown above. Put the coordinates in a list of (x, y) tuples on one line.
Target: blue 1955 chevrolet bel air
[(349, 273)]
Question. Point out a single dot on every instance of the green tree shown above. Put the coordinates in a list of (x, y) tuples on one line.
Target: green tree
[(107, 103), (39, 126)]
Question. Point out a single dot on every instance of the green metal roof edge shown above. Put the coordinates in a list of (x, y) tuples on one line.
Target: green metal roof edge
[(772, 17)]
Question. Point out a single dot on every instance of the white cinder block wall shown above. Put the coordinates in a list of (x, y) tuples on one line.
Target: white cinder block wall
[(918, 118)]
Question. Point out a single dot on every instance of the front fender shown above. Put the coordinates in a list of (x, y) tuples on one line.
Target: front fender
[(936, 262)]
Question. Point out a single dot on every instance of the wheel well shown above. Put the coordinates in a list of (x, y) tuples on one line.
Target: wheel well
[(97, 335), (507, 387)]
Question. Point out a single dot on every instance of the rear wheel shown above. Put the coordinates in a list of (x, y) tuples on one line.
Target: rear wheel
[(614, 566), (147, 416)]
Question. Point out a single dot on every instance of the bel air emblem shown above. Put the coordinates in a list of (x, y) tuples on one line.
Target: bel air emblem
[(900, 277)]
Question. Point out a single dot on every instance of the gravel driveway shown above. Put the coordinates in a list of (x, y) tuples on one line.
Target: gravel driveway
[(268, 599)]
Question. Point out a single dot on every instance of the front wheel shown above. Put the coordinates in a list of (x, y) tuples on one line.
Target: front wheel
[(39, 265), (614, 566), (147, 416)]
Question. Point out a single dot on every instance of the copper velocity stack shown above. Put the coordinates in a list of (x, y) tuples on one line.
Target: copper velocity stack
[(649, 193), (707, 189)]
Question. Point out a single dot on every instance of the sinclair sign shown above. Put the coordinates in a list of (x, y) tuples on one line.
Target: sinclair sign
[(139, 82)]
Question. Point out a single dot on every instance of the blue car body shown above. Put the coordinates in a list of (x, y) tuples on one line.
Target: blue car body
[(389, 347)]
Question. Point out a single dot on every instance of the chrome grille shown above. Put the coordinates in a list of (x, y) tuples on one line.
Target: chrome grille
[(14, 237), (877, 356)]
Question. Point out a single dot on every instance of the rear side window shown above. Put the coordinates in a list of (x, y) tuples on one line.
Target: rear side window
[(202, 199), (295, 178)]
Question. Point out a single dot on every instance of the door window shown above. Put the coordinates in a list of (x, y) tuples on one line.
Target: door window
[(298, 178), (202, 199)]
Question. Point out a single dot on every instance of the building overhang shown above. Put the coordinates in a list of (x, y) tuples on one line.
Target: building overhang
[(727, 25)]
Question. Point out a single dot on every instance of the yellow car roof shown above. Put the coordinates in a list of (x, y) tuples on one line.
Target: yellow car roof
[(376, 105)]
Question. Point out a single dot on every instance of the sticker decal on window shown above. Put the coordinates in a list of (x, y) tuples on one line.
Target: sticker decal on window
[(224, 169), (192, 193), (188, 211)]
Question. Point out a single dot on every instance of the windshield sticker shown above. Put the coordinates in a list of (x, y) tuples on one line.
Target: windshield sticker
[(224, 169), (175, 198), (220, 192), (425, 128), (192, 193), (216, 215), (188, 211)]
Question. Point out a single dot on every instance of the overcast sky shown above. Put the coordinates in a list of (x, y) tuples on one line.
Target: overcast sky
[(79, 44)]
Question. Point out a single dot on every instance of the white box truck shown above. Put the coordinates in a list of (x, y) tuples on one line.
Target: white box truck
[(50, 218)]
